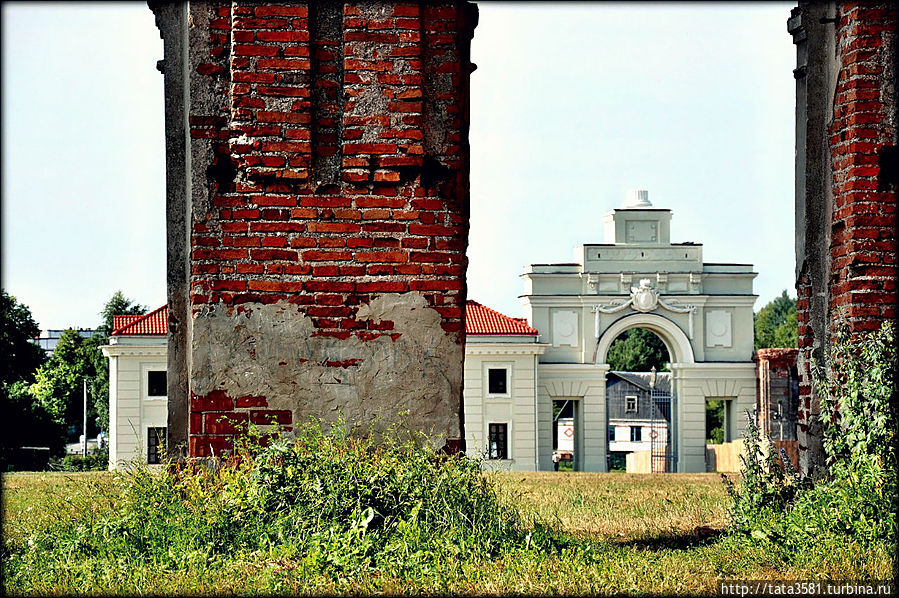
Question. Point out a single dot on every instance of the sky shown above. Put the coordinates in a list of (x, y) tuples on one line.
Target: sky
[(571, 106)]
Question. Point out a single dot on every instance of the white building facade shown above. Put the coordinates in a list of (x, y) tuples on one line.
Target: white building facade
[(500, 388), (522, 375), (638, 278), (138, 405)]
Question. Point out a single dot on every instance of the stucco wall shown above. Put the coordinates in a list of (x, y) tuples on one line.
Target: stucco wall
[(517, 409), (131, 410)]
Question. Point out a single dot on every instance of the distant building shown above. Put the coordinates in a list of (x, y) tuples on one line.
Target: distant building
[(50, 338), (639, 414), (138, 388)]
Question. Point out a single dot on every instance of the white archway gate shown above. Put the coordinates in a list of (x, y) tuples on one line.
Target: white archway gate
[(636, 405), (639, 279)]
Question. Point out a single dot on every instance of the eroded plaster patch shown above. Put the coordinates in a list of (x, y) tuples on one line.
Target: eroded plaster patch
[(269, 350)]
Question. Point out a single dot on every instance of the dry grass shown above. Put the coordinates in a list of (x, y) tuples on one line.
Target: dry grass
[(619, 505)]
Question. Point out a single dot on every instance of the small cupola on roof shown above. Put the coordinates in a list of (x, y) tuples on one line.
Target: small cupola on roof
[(637, 222)]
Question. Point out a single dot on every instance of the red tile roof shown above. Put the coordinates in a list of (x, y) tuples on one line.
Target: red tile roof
[(480, 319), (155, 323), (120, 321)]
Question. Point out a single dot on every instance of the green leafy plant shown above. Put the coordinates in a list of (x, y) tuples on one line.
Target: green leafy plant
[(853, 499), (336, 502), (98, 461), (856, 385), (769, 485)]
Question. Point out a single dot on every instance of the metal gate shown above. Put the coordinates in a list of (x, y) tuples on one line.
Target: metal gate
[(664, 457), (641, 417)]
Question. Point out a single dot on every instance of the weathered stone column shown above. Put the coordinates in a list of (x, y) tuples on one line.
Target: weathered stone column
[(318, 214)]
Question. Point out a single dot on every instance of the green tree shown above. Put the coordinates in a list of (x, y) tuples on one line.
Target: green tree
[(776, 324), (23, 422), (118, 305), (638, 350), (21, 356), (714, 422), (58, 383)]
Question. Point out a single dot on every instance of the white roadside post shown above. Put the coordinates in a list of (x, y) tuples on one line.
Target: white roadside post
[(84, 426)]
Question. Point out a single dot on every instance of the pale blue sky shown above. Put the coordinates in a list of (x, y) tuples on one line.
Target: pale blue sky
[(571, 106)]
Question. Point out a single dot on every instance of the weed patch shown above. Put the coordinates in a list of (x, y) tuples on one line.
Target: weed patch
[(853, 502), (328, 504), (329, 513)]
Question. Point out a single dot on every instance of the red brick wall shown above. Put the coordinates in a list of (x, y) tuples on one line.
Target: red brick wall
[(335, 144), (857, 189), (775, 375), (863, 234)]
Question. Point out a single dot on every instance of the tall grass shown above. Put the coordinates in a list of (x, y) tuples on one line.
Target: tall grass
[(329, 502)]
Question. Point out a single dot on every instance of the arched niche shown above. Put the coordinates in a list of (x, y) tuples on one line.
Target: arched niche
[(679, 348)]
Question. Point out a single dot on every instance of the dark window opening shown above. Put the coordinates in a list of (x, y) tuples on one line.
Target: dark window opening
[(157, 384), (155, 445), (496, 381), (636, 434), (630, 405), (497, 444), (611, 433)]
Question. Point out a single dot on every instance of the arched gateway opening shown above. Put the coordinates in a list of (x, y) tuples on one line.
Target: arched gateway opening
[(639, 403)]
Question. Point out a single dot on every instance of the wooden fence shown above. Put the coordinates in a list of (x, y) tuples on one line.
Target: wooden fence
[(725, 457)]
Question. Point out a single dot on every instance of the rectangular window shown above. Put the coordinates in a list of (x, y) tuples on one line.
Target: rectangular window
[(611, 433), (636, 434), (155, 445), (157, 384), (496, 381), (630, 404), (497, 444)]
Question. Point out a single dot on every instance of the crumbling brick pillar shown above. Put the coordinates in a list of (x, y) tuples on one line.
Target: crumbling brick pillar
[(846, 183), (777, 400), (318, 214)]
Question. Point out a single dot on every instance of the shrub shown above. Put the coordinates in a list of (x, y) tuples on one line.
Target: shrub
[(332, 502), (770, 484), (853, 500), (96, 462)]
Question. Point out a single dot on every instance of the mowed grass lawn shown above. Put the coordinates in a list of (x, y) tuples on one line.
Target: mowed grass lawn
[(636, 534)]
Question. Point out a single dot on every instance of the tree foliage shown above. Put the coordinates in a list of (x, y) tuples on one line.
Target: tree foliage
[(58, 385), (22, 421), (118, 305), (776, 324), (42, 398), (638, 350), (20, 355)]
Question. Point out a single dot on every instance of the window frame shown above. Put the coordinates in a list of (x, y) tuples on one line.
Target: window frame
[(151, 370), (156, 437), (627, 404), (507, 367), (636, 431), (500, 455)]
